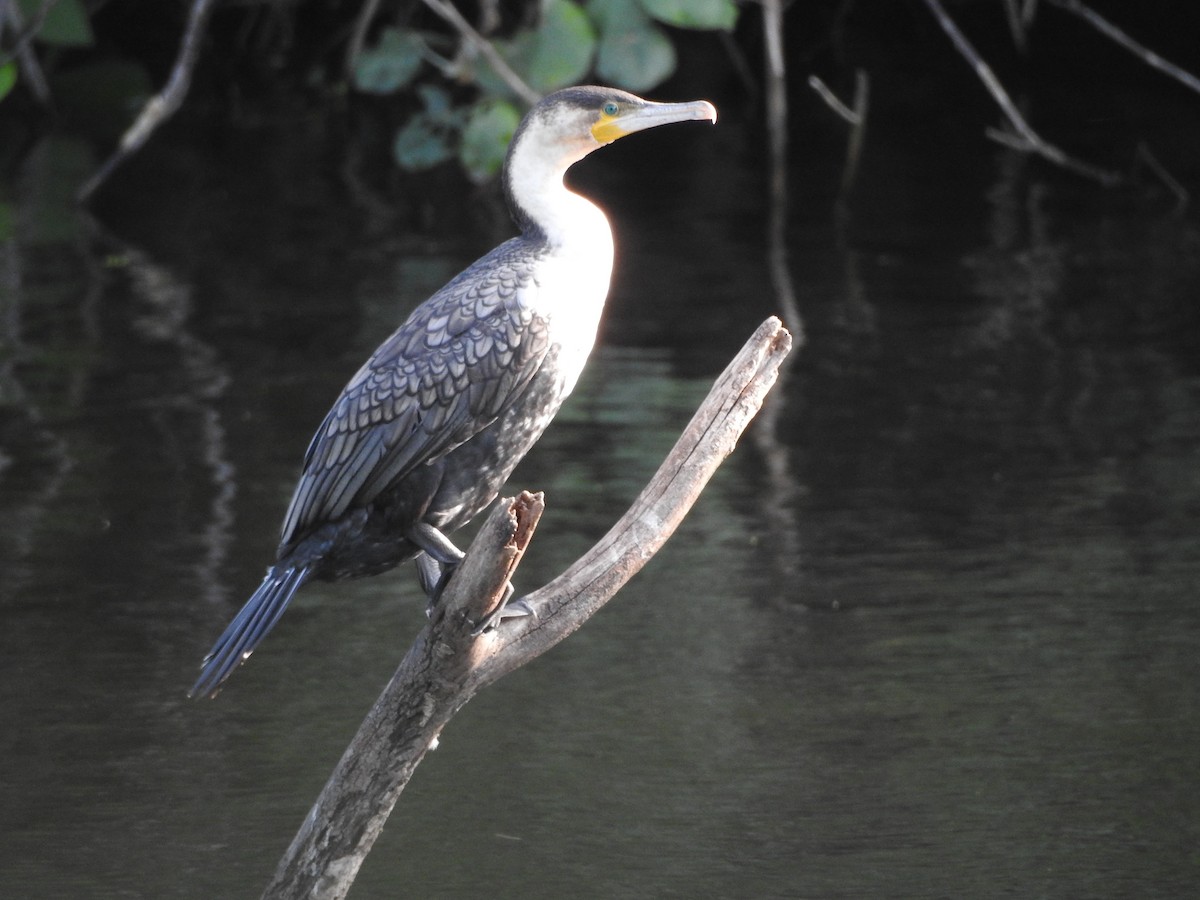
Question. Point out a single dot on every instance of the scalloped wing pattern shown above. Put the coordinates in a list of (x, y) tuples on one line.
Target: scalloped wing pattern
[(458, 362)]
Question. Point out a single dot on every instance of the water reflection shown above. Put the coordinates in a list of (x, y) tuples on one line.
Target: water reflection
[(190, 419), (934, 637), (33, 459)]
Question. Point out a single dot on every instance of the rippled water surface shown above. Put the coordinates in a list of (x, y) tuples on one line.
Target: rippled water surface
[(931, 631)]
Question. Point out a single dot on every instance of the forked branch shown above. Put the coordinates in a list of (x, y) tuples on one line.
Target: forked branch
[(1023, 137), (446, 666)]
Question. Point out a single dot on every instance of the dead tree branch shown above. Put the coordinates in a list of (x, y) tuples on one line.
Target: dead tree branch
[(1112, 32), (162, 105), (777, 199), (21, 46), (449, 12), (446, 666), (1182, 195), (833, 101), (358, 37), (856, 118), (1019, 19), (1025, 139)]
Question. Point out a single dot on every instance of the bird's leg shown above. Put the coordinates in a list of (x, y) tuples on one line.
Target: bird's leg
[(437, 560), (429, 574)]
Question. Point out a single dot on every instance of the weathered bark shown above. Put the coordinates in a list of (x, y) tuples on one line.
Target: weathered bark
[(446, 665)]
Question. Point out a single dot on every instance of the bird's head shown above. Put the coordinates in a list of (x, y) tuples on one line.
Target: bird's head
[(573, 122), (565, 126)]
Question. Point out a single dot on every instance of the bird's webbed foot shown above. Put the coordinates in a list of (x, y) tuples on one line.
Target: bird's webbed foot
[(508, 609)]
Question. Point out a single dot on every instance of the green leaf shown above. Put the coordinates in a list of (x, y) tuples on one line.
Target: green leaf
[(66, 23), (514, 51), (634, 53), (421, 144), (486, 137), (438, 105), (8, 78), (390, 64), (562, 47), (556, 53), (611, 15), (705, 14)]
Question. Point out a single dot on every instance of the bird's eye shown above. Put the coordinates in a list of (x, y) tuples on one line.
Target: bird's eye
[(610, 108)]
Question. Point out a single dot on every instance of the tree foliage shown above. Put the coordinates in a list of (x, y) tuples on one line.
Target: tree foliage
[(619, 42), (463, 83)]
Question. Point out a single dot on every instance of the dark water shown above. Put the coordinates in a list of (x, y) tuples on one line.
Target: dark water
[(932, 635)]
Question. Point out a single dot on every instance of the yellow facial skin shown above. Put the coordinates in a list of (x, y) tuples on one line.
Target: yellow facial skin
[(608, 128), (615, 118)]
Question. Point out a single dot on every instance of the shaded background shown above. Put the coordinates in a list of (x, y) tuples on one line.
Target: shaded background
[(933, 634)]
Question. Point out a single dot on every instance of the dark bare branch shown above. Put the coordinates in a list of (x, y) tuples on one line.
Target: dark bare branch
[(1182, 195), (1016, 24), (1145, 54), (778, 194), (21, 46), (162, 105), (833, 101), (1026, 139), (487, 50), (856, 116), (358, 37)]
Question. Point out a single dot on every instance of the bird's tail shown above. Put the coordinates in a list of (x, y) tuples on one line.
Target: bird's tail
[(248, 628)]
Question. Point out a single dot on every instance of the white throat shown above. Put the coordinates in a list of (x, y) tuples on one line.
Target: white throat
[(536, 168), (575, 265)]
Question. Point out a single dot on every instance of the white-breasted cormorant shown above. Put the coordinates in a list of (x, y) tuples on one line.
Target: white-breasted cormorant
[(426, 433)]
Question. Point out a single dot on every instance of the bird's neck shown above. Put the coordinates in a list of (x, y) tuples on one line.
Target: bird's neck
[(574, 251), (544, 209)]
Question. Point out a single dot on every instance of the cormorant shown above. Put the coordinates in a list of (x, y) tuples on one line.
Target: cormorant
[(426, 433)]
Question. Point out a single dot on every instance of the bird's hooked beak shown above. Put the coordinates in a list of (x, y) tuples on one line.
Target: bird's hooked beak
[(628, 118)]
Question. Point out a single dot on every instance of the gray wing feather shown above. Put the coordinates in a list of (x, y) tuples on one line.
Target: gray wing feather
[(447, 373)]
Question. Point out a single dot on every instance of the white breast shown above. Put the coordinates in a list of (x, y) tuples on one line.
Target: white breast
[(571, 282)]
